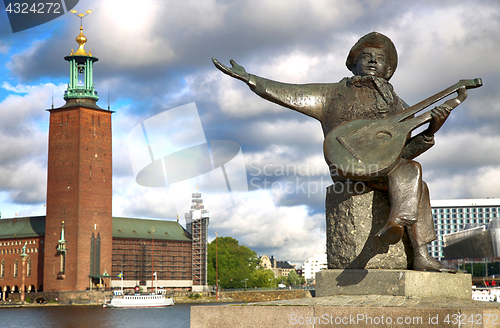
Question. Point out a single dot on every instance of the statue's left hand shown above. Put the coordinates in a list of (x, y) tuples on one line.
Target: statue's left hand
[(439, 115), (236, 71)]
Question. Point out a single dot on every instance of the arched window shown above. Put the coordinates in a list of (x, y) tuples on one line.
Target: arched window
[(28, 268), (62, 269), (15, 269), (2, 269)]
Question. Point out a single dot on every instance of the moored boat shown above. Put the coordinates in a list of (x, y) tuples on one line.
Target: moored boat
[(138, 300), (486, 294)]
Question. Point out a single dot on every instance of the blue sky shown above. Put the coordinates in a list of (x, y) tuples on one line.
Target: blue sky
[(157, 56)]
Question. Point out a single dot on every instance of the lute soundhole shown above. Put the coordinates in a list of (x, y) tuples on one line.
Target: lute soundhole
[(384, 135)]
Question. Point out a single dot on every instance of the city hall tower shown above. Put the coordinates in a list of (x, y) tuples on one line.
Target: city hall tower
[(78, 228)]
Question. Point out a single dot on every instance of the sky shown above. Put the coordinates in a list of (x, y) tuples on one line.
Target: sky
[(155, 56)]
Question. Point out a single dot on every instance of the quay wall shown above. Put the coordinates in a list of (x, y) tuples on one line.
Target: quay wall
[(264, 295), (98, 297), (76, 298)]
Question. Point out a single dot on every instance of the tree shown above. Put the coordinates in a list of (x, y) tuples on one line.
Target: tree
[(294, 278), (236, 263), (262, 278)]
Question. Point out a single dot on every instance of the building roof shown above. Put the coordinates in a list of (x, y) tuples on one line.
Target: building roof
[(465, 202), (284, 265), (22, 227), (131, 228)]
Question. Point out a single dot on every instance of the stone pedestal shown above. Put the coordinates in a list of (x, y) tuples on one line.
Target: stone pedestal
[(351, 311), (406, 283), (354, 214)]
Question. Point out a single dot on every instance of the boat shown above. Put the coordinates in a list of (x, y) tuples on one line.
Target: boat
[(157, 299), (486, 294), (138, 300)]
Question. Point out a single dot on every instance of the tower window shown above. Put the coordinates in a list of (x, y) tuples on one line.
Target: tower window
[(62, 269)]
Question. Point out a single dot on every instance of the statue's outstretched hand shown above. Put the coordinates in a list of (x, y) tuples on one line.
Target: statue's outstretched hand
[(236, 71)]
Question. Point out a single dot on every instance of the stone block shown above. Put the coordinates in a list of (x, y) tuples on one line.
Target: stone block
[(249, 316), (354, 214), (356, 312), (406, 283)]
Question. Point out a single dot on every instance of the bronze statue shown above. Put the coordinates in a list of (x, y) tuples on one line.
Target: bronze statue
[(359, 114)]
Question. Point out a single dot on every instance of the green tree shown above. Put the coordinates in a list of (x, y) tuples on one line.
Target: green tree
[(294, 278), (261, 278), (236, 263)]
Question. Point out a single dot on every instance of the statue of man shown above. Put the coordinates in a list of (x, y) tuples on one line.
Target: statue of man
[(368, 95)]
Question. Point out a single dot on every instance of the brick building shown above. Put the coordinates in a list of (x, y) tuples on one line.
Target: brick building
[(133, 251), (14, 234), (78, 245)]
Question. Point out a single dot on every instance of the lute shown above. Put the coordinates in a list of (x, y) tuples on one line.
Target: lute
[(365, 149)]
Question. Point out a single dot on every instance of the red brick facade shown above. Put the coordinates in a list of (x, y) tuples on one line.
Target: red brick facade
[(172, 259), (11, 268), (79, 192)]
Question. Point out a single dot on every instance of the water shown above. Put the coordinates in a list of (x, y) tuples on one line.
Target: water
[(97, 316)]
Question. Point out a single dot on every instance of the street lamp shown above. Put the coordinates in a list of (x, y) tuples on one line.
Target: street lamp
[(156, 282), (24, 256), (153, 273), (216, 268), (245, 280)]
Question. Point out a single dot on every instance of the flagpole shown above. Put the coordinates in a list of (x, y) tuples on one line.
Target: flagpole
[(153, 260), (122, 281)]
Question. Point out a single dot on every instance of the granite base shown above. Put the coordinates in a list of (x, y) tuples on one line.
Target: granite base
[(406, 283), (350, 311)]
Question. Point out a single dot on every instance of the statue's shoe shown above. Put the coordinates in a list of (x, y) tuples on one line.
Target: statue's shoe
[(428, 263), (391, 233)]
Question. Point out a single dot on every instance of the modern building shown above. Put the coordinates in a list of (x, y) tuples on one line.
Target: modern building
[(314, 264), (78, 245), (481, 241), (451, 216)]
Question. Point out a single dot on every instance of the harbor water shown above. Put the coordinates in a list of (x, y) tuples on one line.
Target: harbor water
[(97, 316)]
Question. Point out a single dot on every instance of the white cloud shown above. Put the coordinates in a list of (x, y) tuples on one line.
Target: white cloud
[(289, 233), (463, 150), (23, 141)]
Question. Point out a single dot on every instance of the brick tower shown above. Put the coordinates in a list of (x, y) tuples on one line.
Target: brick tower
[(78, 228)]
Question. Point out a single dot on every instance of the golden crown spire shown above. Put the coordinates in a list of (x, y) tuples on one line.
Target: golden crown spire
[(81, 39)]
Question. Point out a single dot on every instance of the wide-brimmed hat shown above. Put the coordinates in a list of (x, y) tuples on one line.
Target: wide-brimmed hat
[(373, 40)]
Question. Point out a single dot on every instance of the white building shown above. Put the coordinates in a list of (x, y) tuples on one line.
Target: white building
[(452, 215), (313, 265)]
